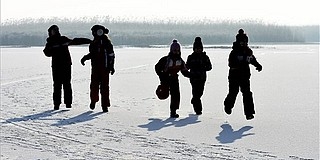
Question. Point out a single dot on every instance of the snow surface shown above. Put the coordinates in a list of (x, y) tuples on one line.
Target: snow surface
[(286, 95)]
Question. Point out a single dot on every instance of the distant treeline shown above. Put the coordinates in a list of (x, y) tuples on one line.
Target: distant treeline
[(33, 32)]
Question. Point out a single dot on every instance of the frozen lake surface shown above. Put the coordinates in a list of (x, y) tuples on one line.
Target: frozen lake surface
[(286, 95)]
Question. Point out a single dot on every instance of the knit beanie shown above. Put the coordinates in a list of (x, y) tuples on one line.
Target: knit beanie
[(241, 36), (175, 45), (197, 43), (241, 31)]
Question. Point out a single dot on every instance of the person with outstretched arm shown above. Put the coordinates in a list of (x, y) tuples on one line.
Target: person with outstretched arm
[(57, 48)]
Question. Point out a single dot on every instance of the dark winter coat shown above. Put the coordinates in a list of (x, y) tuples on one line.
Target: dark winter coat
[(101, 53), (57, 48), (169, 66), (199, 64), (239, 60)]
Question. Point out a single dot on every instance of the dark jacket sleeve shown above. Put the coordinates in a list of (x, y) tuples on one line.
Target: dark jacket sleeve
[(79, 41), (232, 62), (87, 57), (160, 66), (252, 59), (54, 45), (111, 55), (208, 65), (184, 69), (255, 63), (160, 70), (48, 51), (188, 62), (65, 41)]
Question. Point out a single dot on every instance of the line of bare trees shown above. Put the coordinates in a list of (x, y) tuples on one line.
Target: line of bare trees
[(33, 32)]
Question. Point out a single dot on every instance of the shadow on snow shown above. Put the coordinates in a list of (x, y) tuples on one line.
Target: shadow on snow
[(157, 124), (37, 116), (47, 115), (228, 135), (87, 116)]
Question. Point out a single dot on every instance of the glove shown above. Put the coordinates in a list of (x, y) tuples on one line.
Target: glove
[(259, 68), (112, 71), (83, 59)]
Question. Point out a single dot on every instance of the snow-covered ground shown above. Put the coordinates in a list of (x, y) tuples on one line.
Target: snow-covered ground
[(286, 95)]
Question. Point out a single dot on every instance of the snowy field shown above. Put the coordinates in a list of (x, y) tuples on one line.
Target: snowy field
[(137, 126)]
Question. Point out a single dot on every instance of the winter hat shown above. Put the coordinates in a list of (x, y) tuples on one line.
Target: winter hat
[(54, 28), (241, 31), (175, 45), (197, 43), (97, 27), (241, 36)]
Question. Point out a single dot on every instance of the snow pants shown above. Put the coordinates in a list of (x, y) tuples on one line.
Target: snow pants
[(174, 93), (100, 80), (62, 77), (197, 92), (244, 85)]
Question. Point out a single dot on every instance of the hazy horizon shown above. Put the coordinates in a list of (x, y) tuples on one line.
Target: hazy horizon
[(297, 13)]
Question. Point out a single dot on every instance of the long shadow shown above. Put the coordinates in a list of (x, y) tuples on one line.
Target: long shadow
[(228, 135), (37, 116), (87, 116), (157, 124)]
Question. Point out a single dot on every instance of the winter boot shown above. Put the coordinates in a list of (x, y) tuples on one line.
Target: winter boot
[(198, 113), (227, 108), (197, 106), (249, 116), (92, 105), (174, 115), (105, 109), (68, 106), (56, 106)]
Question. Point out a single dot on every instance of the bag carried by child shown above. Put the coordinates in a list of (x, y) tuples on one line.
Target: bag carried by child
[(162, 92)]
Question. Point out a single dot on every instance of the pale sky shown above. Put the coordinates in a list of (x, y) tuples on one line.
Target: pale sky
[(294, 12)]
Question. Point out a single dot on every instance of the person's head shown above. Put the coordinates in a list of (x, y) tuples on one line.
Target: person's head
[(197, 45), (242, 37), (241, 31), (175, 48), (99, 30), (53, 31), (243, 43)]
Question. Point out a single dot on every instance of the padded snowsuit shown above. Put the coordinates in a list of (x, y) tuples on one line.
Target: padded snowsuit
[(199, 64), (167, 69), (239, 77), (57, 48), (102, 62)]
